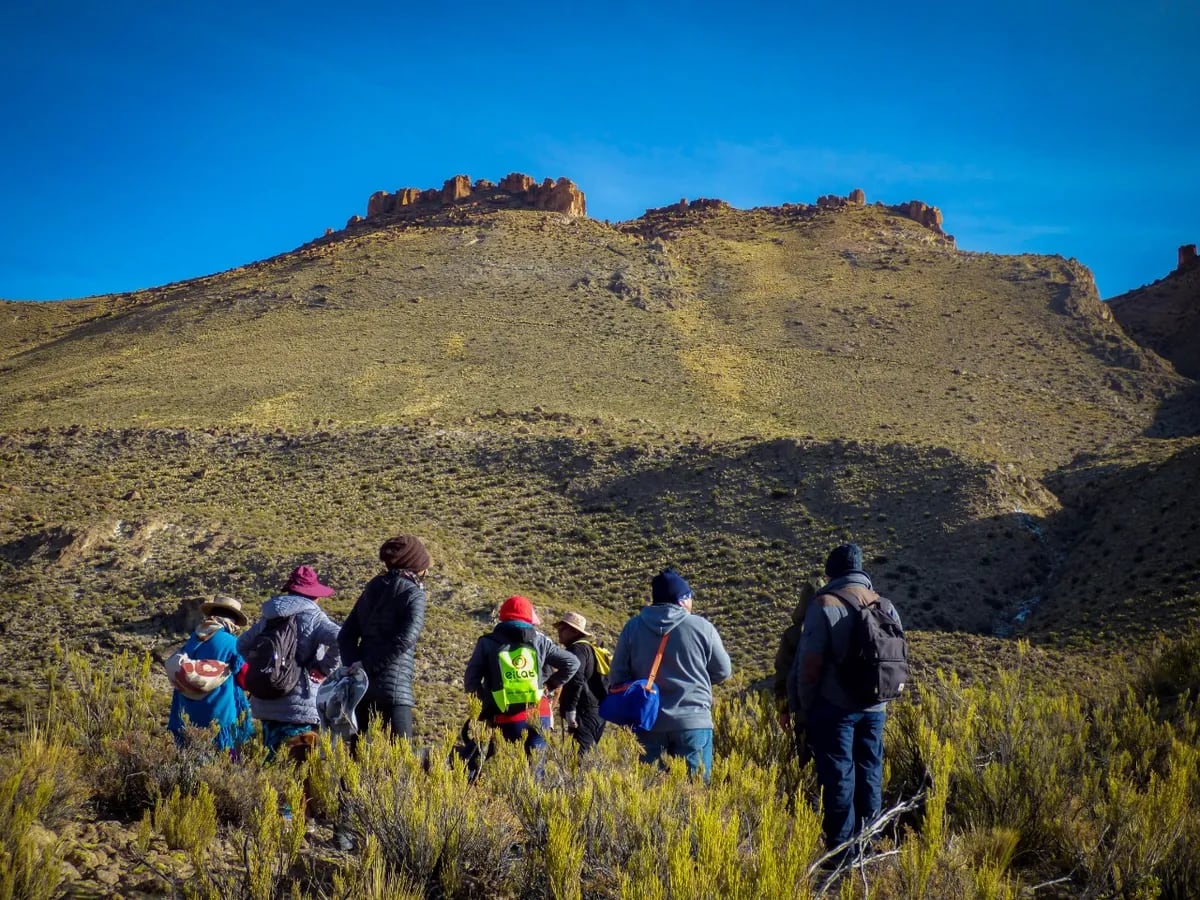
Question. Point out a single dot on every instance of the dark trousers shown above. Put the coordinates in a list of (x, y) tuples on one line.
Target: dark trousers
[(847, 747), (396, 719), (589, 728)]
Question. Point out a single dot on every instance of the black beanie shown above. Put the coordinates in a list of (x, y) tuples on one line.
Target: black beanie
[(844, 560), (668, 586)]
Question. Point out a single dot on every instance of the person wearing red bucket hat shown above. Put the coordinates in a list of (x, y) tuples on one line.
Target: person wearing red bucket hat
[(507, 671), (289, 716), (304, 581)]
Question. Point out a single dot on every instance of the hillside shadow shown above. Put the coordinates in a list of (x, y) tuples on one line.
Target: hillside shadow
[(1129, 561), (1178, 416), (758, 518)]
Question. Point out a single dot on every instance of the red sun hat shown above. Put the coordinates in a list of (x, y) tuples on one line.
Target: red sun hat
[(518, 608), (304, 581)]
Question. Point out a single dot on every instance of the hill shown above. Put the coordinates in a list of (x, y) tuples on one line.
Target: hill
[(563, 404), (560, 406), (1165, 316)]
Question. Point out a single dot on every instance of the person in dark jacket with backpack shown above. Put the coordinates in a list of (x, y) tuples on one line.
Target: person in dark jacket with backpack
[(579, 701), (485, 674), (381, 633), (291, 721), (693, 660), (845, 732)]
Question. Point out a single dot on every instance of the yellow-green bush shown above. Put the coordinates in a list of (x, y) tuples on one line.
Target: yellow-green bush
[(188, 822), (1017, 786), (32, 793)]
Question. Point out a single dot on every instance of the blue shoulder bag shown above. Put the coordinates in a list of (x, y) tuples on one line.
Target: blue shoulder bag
[(635, 704)]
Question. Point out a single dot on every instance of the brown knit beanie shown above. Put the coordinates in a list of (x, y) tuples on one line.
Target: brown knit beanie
[(405, 551)]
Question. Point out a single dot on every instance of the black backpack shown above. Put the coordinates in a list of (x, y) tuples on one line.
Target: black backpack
[(601, 663), (272, 668), (875, 667)]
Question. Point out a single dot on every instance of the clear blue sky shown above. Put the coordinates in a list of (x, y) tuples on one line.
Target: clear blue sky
[(141, 145)]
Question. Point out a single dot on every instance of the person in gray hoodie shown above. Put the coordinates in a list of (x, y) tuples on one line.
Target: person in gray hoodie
[(694, 659), (292, 721)]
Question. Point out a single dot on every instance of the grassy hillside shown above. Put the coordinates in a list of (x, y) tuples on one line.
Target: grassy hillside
[(560, 407), (845, 324)]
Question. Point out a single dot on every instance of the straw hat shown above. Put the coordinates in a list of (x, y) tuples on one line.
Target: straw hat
[(576, 621), (227, 607)]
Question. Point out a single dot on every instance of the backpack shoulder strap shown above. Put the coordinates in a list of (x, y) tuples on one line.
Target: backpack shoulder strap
[(851, 602)]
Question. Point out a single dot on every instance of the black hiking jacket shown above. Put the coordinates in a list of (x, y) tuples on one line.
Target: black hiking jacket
[(382, 633)]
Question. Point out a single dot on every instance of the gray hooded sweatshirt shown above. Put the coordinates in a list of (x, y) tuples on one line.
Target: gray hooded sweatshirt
[(316, 648), (694, 660)]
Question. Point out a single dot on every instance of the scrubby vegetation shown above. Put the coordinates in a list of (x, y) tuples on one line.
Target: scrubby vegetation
[(1010, 789), (559, 407)]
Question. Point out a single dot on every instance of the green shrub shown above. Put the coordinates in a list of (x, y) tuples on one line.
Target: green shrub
[(188, 822), (31, 793)]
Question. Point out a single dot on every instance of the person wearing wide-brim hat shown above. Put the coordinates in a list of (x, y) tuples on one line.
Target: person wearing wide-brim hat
[(208, 692), (292, 721), (579, 701), (229, 608)]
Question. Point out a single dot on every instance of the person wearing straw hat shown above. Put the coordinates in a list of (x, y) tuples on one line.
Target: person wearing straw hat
[(205, 675), (579, 701)]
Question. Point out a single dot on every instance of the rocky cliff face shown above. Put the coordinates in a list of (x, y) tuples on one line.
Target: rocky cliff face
[(515, 191), (1165, 315)]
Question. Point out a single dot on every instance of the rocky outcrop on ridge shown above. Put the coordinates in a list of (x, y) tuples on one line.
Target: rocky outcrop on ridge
[(515, 191), (1187, 258), (922, 213), (1165, 316), (929, 216)]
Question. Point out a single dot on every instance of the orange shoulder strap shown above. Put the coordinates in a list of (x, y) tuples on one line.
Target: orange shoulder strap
[(662, 645)]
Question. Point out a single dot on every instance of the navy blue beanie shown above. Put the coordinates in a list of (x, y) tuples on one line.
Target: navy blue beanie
[(668, 586), (844, 560)]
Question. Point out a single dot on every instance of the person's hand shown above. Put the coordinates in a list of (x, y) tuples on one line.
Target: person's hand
[(355, 668), (785, 720), (316, 675), (572, 721)]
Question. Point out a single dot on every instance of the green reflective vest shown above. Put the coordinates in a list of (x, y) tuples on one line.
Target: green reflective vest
[(518, 677)]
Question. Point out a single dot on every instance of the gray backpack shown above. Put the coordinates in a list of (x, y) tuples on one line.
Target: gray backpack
[(875, 668), (272, 668)]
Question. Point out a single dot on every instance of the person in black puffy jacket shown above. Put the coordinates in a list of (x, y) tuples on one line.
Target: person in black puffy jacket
[(382, 631)]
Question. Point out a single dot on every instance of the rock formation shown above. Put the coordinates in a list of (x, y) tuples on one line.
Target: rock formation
[(516, 183), (857, 197), (1187, 258), (559, 196), (929, 216), (515, 191), (456, 188)]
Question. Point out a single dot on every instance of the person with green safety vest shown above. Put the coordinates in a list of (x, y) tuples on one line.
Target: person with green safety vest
[(507, 673)]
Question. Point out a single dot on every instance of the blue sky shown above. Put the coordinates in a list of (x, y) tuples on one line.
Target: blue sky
[(141, 145)]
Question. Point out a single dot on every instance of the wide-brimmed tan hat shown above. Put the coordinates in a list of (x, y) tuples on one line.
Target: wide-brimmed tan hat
[(227, 607), (576, 621)]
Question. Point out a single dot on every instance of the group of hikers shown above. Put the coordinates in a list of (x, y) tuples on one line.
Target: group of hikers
[(295, 671)]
